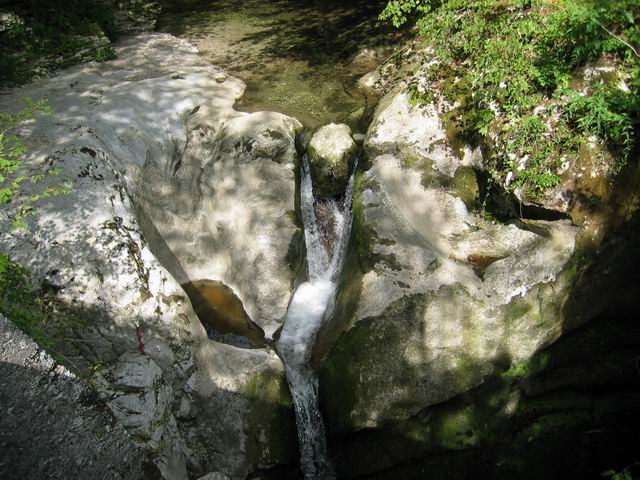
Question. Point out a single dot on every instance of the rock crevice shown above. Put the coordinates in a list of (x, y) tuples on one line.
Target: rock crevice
[(169, 184)]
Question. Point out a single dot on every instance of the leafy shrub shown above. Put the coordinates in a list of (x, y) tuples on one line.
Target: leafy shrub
[(16, 292), (627, 473), (52, 34), (18, 303), (607, 114), (103, 54), (500, 60), (12, 151)]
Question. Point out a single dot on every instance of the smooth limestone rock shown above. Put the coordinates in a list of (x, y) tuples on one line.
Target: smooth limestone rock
[(369, 80), (416, 134), (359, 138), (579, 394), (224, 209), (447, 297), (330, 151), (134, 136)]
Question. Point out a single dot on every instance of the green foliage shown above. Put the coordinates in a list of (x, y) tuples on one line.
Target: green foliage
[(103, 54), (398, 11), (18, 303), (533, 151), (527, 367), (500, 60), (607, 113), (50, 34), (16, 292), (12, 150), (626, 473)]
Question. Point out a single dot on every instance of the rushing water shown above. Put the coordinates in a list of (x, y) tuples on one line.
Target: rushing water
[(312, 303), (296, 57)]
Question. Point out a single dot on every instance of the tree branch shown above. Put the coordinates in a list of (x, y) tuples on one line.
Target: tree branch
[(620, 39)]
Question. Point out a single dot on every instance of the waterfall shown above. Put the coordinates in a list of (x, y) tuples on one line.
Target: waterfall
[(313, 303)]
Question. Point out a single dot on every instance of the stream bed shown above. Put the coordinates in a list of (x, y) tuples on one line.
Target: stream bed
[(301, 59), (295, 56), (312, 304)]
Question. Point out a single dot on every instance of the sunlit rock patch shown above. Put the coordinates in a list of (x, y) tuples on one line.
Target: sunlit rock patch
[(150, 123)]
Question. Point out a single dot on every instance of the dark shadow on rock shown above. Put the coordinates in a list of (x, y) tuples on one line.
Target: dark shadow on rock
[(505, 206), (294, 55), (51, 427), (572, 412), (318, 32)]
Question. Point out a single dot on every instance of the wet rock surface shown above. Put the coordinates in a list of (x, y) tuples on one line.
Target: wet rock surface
[(331, 150)]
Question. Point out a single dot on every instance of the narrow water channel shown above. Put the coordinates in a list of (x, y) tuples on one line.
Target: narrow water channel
[(299, 58), (311, 305)]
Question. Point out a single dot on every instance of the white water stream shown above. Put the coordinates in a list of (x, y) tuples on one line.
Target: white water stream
[(313, 303)]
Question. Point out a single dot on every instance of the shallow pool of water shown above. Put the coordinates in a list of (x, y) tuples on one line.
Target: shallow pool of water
[(294, 56), (222, 314)]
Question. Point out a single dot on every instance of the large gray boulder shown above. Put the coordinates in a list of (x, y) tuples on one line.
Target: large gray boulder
[(417, 134), (224, 209), (330, 151), (445, 295), (132, 136)]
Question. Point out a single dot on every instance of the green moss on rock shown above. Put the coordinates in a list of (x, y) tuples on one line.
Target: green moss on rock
[(527, 367), (556, 422), (465, 186), (272, 434), (330, 151), (364, 237), (457, 429)]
